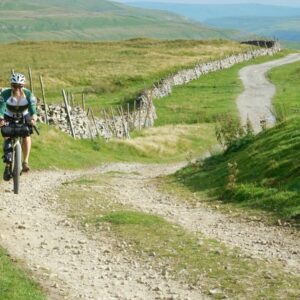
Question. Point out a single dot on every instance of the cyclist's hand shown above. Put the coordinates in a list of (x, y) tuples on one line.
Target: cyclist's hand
[(33, 120), (2, 122)]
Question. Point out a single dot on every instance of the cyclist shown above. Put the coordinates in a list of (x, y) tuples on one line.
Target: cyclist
[(17, 102)]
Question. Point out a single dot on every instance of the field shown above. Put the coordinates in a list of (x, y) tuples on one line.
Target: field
[(110, 73)]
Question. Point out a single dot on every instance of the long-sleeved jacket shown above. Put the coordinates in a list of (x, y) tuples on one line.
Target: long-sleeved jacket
[(9, 106)]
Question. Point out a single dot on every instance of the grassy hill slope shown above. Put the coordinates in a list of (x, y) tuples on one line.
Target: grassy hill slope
[(94, 20), (268, 173)]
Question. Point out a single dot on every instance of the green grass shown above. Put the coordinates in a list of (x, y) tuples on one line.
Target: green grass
[(14, 283), (268, 177), (287, 81), (203, 100), (150, 145), (189, 258), (111, 73)]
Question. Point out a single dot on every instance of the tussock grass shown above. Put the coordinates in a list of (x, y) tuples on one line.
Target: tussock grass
[(183, 139), (149, 145), (189, 258)]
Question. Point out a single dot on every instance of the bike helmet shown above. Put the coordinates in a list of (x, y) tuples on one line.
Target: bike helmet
[(17, 78)]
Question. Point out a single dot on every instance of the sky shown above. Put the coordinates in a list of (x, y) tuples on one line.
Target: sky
[(295, 3)]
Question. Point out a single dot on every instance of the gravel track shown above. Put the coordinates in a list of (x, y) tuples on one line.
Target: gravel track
[(69, 264), (255, 102)]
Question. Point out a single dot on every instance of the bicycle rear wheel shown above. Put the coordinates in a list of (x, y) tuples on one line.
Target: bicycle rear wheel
[(17, 167)]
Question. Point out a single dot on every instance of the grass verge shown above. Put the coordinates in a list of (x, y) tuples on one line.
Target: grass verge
[(267, 176), (287, 81), (151, 145), (14, 283)]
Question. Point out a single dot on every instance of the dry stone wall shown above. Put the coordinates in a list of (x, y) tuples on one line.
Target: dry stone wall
[(120, 125)]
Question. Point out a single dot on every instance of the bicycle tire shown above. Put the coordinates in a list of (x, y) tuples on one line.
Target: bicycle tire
[(17, 167)]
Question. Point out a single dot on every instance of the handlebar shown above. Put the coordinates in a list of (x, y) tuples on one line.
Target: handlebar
[(36, 130)]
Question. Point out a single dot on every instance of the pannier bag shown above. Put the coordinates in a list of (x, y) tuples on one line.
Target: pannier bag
[(12, 131)]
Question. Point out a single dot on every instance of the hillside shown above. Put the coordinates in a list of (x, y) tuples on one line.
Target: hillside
[(283, 28), (95, 20), (271, 21), (204, 12)]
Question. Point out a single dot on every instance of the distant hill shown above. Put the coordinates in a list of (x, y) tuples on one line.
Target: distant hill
[(203, 12), (282, 22), (284, 28), (95, 20)]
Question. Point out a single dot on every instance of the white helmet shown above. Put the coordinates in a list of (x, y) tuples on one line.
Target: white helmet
[(18, 78)]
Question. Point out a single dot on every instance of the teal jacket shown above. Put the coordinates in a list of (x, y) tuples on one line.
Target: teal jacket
[(6, 94)]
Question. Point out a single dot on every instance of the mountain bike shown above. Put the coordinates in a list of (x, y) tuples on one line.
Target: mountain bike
[(15, 131)]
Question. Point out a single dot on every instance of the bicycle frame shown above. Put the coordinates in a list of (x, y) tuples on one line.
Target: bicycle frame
[(15, 134), (16, 165)]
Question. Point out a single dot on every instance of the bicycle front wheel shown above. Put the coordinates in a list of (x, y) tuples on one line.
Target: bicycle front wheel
[(17, 167)]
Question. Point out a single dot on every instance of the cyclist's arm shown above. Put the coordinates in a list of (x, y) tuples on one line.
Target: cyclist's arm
[(32, 103), (2, 106)]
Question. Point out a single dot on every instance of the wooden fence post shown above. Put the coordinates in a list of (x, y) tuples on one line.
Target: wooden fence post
[(68, 113), (88, 124), (107, 122), (44, 99), (134, 113), (124, 123), (113, 120), (83, 101), (30, 79), (140, 111), (128, 116), (92, 114)]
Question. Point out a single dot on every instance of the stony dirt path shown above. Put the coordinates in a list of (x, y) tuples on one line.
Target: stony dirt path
[(255, 102), (69, 264), (251, 236)]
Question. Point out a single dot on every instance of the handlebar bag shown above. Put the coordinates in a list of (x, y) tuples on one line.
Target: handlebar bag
[(15, 131)]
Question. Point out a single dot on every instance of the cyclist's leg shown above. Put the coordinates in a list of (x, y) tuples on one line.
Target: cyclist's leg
[(26, 147), (7, 151), (7, 158)]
